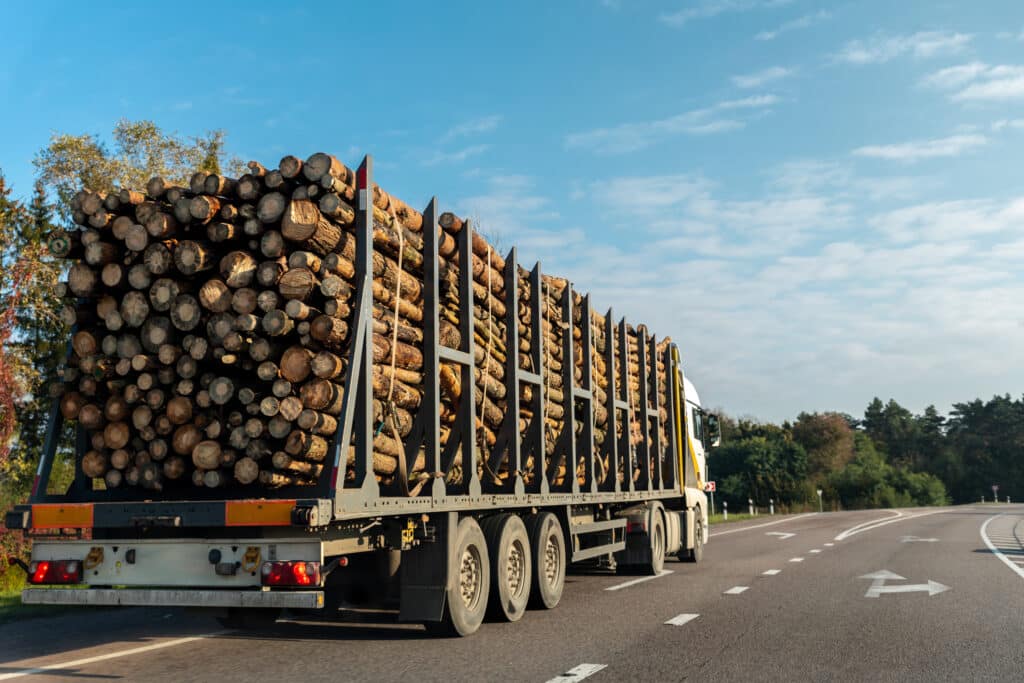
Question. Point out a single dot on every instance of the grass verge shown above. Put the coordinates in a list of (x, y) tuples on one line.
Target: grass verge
[(735, 517)]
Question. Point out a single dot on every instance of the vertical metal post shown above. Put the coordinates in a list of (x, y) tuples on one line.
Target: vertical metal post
[(586, 442), (655, 415), (509, 442), (539, 305), (625, 443), (644, 452), (565, 448), (612, 401), (357, 405)]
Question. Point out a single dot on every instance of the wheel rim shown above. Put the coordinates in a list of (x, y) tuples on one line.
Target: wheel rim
[(552, 561), (659, 544), (515, 569), (470, 577)]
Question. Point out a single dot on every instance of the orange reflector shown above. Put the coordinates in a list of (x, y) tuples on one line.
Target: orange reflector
[(58, 516), (258, 512)]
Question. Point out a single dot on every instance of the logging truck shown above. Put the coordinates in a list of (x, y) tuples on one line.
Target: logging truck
[(364, 406)]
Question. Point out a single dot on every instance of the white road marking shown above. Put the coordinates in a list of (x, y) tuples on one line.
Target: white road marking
[(770, 572), (681, 619), (874, 524), (797, 559), (49, 668), (664, 572), (984, 527), (781, 534), (736, 590), (878, 586), (578, 673), (918, 539), (761, 526), (815, 551), (829, 545)]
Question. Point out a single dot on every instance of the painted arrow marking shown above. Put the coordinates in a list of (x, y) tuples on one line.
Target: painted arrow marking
[(781, 534), (878, 586), (918, 539)]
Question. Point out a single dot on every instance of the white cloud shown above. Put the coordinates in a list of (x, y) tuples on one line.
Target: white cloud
[(978, 81), (882, 48), (630, 137), (712, 8), (472, 127), (1003, 124), (760, 78), (456, 156), (952, 146), (950, 220), (806, 21)]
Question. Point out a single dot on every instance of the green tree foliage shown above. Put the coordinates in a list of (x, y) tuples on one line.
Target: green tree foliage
[(139, 151)]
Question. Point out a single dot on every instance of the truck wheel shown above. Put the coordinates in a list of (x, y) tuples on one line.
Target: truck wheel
[(548, 562), (466, 598), (249, 618), (695, 553), (657, 544), (509, 549)]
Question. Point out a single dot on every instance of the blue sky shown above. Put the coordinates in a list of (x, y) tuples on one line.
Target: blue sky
[(820, 202)]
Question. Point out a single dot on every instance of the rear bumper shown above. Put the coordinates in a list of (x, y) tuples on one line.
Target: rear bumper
[(152, 597)]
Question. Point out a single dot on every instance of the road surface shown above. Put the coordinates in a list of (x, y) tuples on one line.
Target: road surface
[(923, 594)]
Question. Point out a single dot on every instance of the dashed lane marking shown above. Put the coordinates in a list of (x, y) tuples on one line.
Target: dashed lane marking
[(76, 663), (815, 551), (736, 590), (682, 619), (770, 572), (627, 584), (796, 559), (578, 673)]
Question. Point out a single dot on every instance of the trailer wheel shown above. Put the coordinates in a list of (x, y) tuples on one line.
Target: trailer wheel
[(249, 618), (508, 546), (657, 544), (695, 553), (466, 598), (547, 548)]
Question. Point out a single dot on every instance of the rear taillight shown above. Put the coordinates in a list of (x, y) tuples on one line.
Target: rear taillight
[(636, 527), (55, 571), (290, 573)]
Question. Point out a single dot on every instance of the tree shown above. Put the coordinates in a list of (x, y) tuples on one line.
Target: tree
[(828, 440), (140, 151)]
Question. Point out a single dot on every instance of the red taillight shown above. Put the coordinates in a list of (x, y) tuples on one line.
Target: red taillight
[(55, 571), (636, 527), (290, 573)]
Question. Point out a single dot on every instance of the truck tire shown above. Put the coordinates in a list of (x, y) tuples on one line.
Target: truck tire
[(249, 618), (695, 553), (658, 544), (466, 598), (508, 546), (548, 560)]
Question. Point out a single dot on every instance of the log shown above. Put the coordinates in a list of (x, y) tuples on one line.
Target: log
[(302, 222), (238, 268), (193, 257)]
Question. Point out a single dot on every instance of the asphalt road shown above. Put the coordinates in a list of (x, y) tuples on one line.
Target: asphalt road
[(777, 598)]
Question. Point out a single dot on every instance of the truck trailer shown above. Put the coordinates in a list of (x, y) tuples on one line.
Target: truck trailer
[(443, 550)]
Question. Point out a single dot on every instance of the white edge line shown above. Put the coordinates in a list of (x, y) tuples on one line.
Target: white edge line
[(1004, 558), (47, 668), (681, 619), (853, 531), (761, 526), (578, 673), (664, 572)]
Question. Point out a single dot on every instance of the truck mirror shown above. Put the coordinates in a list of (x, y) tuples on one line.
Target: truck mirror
[(714, 430)]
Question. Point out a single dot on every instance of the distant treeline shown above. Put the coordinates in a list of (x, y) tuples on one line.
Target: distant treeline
[(890, 458)]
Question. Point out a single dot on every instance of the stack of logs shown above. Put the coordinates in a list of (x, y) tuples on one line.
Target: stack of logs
[(212, 332)]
